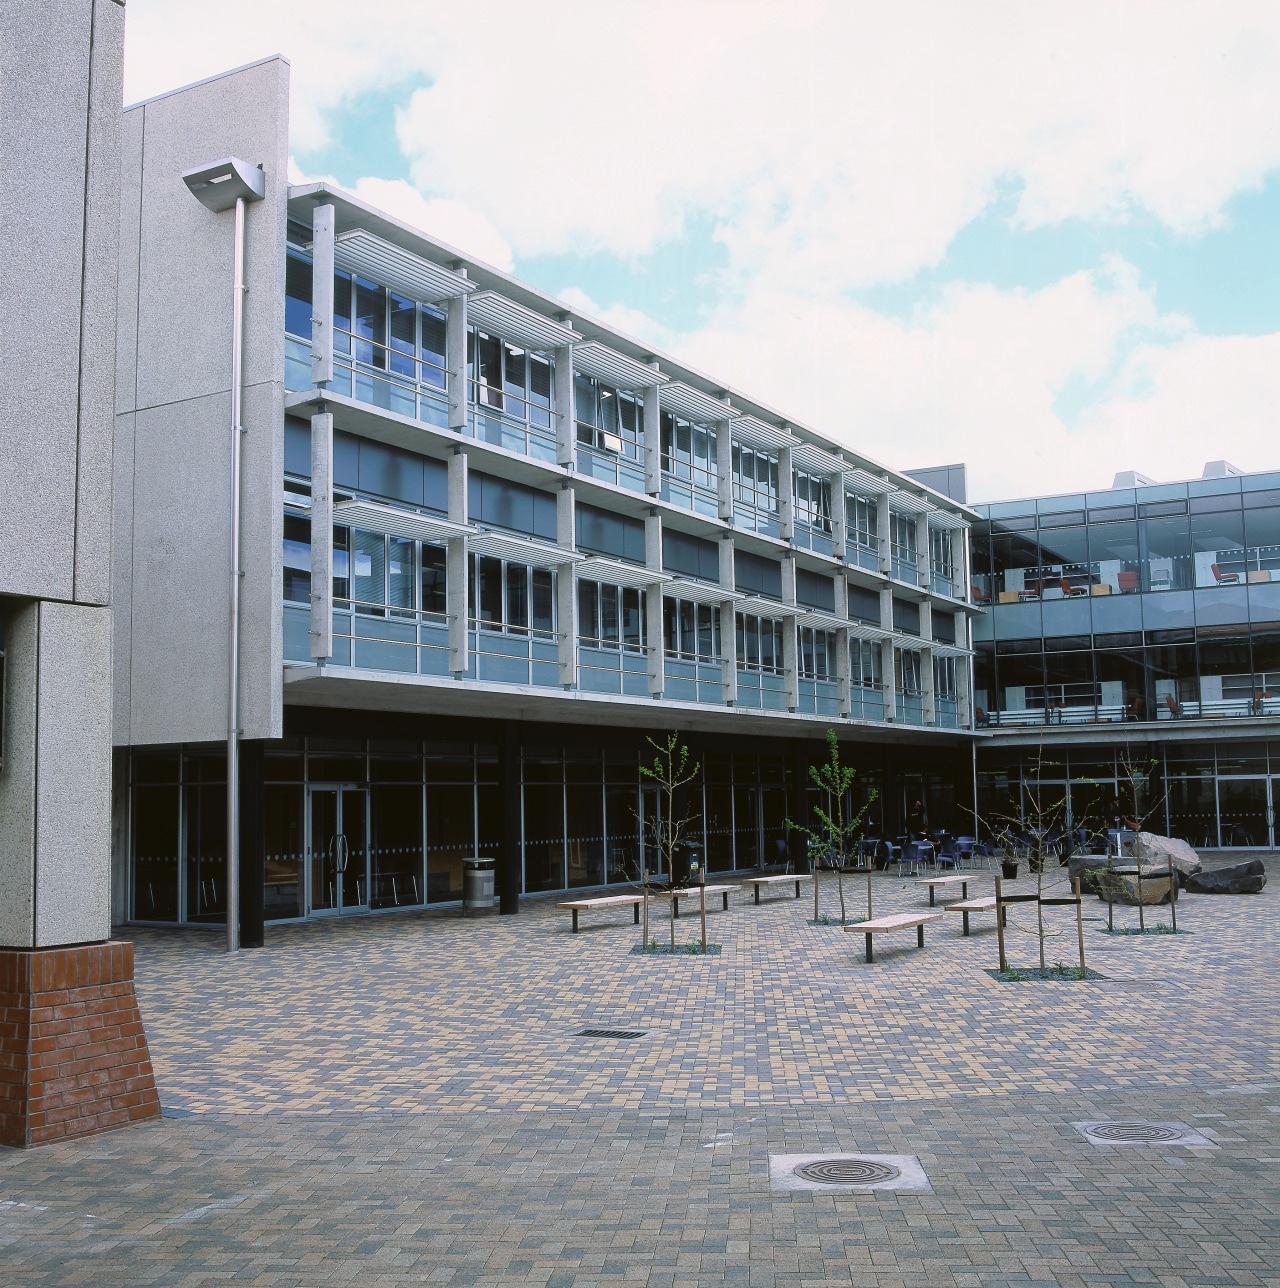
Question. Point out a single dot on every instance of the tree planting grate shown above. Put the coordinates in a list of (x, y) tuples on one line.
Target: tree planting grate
[(1132, 1133), (625, 1034), (847, 1171)]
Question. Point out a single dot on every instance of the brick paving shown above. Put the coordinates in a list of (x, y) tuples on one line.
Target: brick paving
[(401, 1100)]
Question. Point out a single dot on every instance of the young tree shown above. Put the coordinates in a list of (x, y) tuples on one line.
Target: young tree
[(670, 773), (840, 827)]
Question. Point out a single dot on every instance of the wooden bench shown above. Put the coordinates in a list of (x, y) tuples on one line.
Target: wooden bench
[(757, 882), (986, 903), (935, 883), (894, 921), (576, 906), (691, 892)]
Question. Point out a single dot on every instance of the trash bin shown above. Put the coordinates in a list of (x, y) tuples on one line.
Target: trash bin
[(477, 883)]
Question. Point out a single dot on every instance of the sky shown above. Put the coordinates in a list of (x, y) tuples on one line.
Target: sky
[(1042, 239)]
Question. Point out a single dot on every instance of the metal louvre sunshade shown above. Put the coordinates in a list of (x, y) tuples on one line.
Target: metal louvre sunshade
[(520, 550), (408, 274), (396, 522), (751, 431), (909, 503), (620, 574), (822, 621), (762, 607), (687, 401), (945, 519), (859, 480), (698, 592), (512, 321), (948, 650), (865, 631), (815, 459), (596, 359)]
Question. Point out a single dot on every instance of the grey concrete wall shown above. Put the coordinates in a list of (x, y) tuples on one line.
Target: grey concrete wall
[(60, 164), (60, 79), (55, 791), (173, 431)]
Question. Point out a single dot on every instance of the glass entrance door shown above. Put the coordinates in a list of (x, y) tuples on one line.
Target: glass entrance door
[(338, 850), (1244, 812), (650, 832)]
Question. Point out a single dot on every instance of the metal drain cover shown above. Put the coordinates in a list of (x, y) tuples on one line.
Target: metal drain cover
[(1141, 1133), (847, 1173), (627, 1034)]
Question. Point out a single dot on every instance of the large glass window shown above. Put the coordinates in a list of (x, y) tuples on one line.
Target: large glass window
[(1064, 563), (1114, 559), (689, 464), (759, 643), (817, 653), (755, 478), (902, 546), (297, 559), (608, 420), (1015, 566), (812, 498), (691, 631), (862, 540), (610, 616), (513, 598), (511, 389), (1217, 546), (1226, 674), (942, 561), (1166, 553)]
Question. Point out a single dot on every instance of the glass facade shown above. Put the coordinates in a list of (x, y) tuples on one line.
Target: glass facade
[(1141, 604)]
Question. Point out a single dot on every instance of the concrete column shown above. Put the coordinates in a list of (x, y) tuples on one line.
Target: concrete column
[(882, 535), (927, 686), (728, 627), (566, 589), (839, 517), (924, 563), (652, 441), (457, 592), (790, 651), (509, 876), (653, 603), (565, 413), (724, 470), (844, 700), (455, 343), (926, 622), (322, 295), (322, 535), (786, 495), (842, 596), (887, 686), (964, 692)]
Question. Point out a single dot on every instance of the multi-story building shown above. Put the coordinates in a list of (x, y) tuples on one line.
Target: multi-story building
[(1137, 627), (489, 546)]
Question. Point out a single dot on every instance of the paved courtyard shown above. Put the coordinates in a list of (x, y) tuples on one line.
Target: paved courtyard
[(405, 1099)]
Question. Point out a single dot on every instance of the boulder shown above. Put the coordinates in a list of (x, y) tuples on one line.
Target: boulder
[(1087, 867), (1121, 884), (1161, 849), (1238, 878)]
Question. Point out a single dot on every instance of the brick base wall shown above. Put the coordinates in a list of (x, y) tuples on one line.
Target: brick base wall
[(73, 1056)]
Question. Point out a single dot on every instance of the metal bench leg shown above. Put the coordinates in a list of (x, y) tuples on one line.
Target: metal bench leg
[(725, 904), (797, 889), (870, 954), (964, 889), (756, 891), (635, 908), (931, 890), (919, 936), (575, 919), (964, 916)]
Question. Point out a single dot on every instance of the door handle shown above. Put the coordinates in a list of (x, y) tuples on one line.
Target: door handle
[(342, 852)]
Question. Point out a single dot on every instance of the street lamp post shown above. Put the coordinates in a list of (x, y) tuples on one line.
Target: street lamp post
[(221, 186)]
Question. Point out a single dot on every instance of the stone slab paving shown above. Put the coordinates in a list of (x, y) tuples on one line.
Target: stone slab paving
[(400, 1100)]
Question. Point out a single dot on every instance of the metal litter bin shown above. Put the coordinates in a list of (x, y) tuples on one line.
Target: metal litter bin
[(477, 883)]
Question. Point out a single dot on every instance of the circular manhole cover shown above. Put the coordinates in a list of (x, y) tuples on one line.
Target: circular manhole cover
[(1132, 1132), (847, 1171)]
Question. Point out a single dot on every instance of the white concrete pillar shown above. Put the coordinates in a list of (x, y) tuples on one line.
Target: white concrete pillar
[(455, 344), (839, 517), (844, 700), (842, 596), (964, 691), (887, 680), (882, 535), (728, 631), (652, 441), (322, 534), (724, 470), (786, 495), (653, 599), (924, 561), (790, 651), (927, 686), (566, 589), (457, 592), (566, 422), (322, 296)]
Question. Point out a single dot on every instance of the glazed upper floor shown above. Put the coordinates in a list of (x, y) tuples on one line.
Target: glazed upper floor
[(410, 327)]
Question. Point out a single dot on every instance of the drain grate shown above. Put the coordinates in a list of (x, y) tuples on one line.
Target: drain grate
[(847, 1171), (626, 1034), (1133, 1132)]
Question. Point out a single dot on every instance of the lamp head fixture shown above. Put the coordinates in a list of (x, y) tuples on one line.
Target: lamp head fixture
[(220, 184)]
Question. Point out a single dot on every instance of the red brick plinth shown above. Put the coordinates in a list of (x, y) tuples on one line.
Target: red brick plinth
[(73, 1056)]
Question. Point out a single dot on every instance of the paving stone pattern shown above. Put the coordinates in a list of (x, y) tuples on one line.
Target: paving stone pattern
[(399, 1100)]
